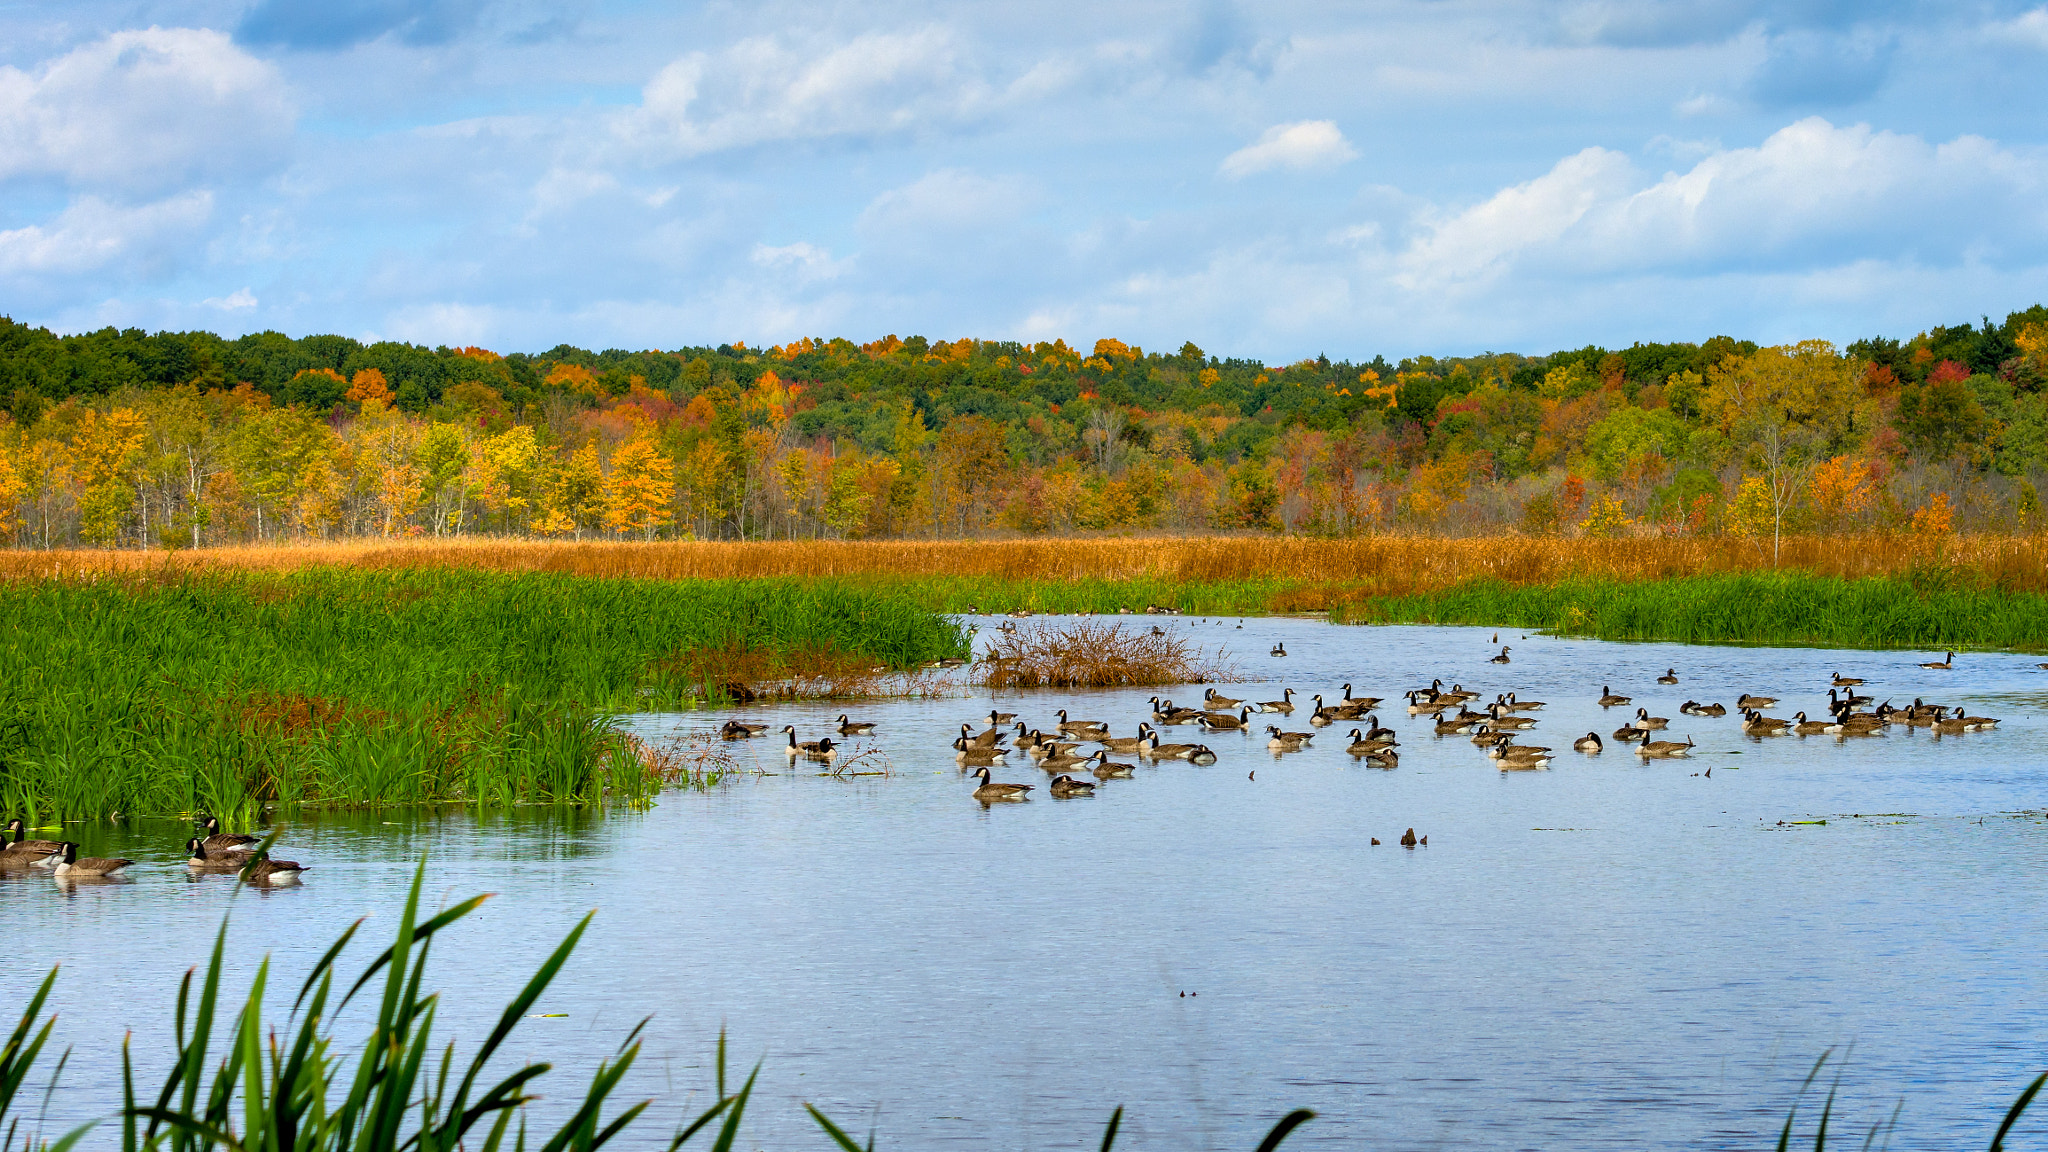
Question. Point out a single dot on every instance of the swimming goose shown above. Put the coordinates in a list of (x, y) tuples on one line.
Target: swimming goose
[(990, 791), (824, 749), (1280, 741), (1951, 726), (1664, 749), (218, 862), (1284, 705), (1202, 755), (1063, 762), (1670, 676), (1590, 742), (1516, 758), (734, 730), (219, 841), (1279, 650), (1502, 718), (1211, 702), (1066, 787), (22, 846), (861, 728), (1747, 703), (1123, 743), (965, 753), (1453, 727), (1502, 658), (1363, 702), (1647, 722), (1849, 700), (995, 717), (1365, 745), (1224, 721), (1374, 730), (1758, 724), (1801, 726), (1386, 758), (1609, 700), (1943, 665), (1629, 734), (67, 863), (1067, 725), (1049, 748), (809, 747), (1419, 706), (1980, 722), (1841, 681), (993, 738), (1154, 750), (1164, 712), (1106, 769), (1457, 694), (1517, 704)]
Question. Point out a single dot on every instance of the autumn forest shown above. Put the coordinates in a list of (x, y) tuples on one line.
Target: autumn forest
[(173, 440)]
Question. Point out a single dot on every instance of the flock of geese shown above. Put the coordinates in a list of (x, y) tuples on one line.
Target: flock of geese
[(214, 852), (1069, 749)]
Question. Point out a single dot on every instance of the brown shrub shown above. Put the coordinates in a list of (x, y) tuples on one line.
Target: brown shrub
[(1095, 656)]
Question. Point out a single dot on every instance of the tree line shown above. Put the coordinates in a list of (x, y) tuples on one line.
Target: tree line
[(121, 438)]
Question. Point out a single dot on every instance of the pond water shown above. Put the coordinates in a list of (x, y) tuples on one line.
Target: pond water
[(1607, 954)]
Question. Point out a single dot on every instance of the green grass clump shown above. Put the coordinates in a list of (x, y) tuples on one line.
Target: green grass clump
[(340, 688), (1764, 608)]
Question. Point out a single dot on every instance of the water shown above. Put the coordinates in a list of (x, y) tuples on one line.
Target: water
[(1609, 954)]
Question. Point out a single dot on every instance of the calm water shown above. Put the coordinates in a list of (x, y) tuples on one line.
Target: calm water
[(1608, 954)]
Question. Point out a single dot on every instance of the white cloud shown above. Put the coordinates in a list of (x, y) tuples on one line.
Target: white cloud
[(240, 300), (802, 261), (2029, 28), (759, 91), (92, 234), (145, 110), (1305, 144), (946, 200)]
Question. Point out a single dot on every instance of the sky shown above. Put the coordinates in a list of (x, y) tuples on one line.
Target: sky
[(1275, 180)]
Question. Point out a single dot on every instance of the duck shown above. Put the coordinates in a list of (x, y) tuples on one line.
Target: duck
[(1670, 676), (1943, 665), (862, 728), (1502, 658), (1801, 726), (1664, 749), (1154, 750), (24, 847), (1647, 722), (1224, 721), (990, 791), (1283, 705), (734, 730), (1279, 650), (815, 747), (1758, 724), (965, 753), (1749, 703), (1841, 681), (1629, 734), (219, 841), (1106, 769), (1202, 755), (1590, 742), (1609, 700), (1066, 787), (1067, 725), (66, 863), (1280, 741)]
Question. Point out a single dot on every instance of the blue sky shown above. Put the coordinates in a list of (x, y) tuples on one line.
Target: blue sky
[(1275, 180)]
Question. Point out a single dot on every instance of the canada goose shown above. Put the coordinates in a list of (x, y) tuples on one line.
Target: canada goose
[(1105, 769), (734, 730), (1504, 719), (1279, 650), (1609, 700), (1629, 734), (1064, 760), (1211, 702), (1359, 702), (819, 747), (67, 863), (264, 870), (1453, 727), (219, 841), (995, 717), (1423, 704), (1801, 726), (1280, 741), (1952, 725), (1514, 758), (1502, 658), (1457, 694), (1980, 722), (1943, 665), (1386, 758), (1374, 730), (1517, 704), (965, 753), (1841, 681), (1711, 710), (1749, 703), (1321, 717), (1224, 721), (1665, 749), (1123, 743), (1284, 705), (1364, 745), (1849, 700), (1408, 839), (993, 738), (1067, 725), (1758, 724), (825, 749), (1590, 742), (1647, 722), (1154, 750), (1164, 712), (22, 846), (1066, 787), (1670, 676), (218, 862), (1045, 749), (861, 728), (990, 791), (1202, 755)]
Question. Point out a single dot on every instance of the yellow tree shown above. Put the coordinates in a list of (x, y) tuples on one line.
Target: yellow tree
[(104, 451), (1788, 406), (12, 486), (641, 488)]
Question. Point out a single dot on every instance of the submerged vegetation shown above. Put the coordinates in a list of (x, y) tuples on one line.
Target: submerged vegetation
[(159, 694)]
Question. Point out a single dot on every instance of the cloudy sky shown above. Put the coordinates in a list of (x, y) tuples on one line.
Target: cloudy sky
[(1276, 179)]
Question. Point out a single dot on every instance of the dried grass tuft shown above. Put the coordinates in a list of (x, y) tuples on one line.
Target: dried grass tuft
[(1096, 656)]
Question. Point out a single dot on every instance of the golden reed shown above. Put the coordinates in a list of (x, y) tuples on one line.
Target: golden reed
[(1372, 564)]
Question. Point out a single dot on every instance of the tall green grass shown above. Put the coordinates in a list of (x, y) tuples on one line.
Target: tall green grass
[(239, 1084), (336, 687), (1769, 608)]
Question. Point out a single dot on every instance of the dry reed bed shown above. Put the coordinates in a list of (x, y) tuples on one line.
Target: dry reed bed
[(1096, 656), (1377, 565)]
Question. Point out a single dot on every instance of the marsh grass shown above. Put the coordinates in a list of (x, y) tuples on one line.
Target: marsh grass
[(165, 694), (1088, 655)]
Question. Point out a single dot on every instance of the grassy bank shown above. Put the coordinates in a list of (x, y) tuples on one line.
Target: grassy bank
[(1780, 609), (166, 693)]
